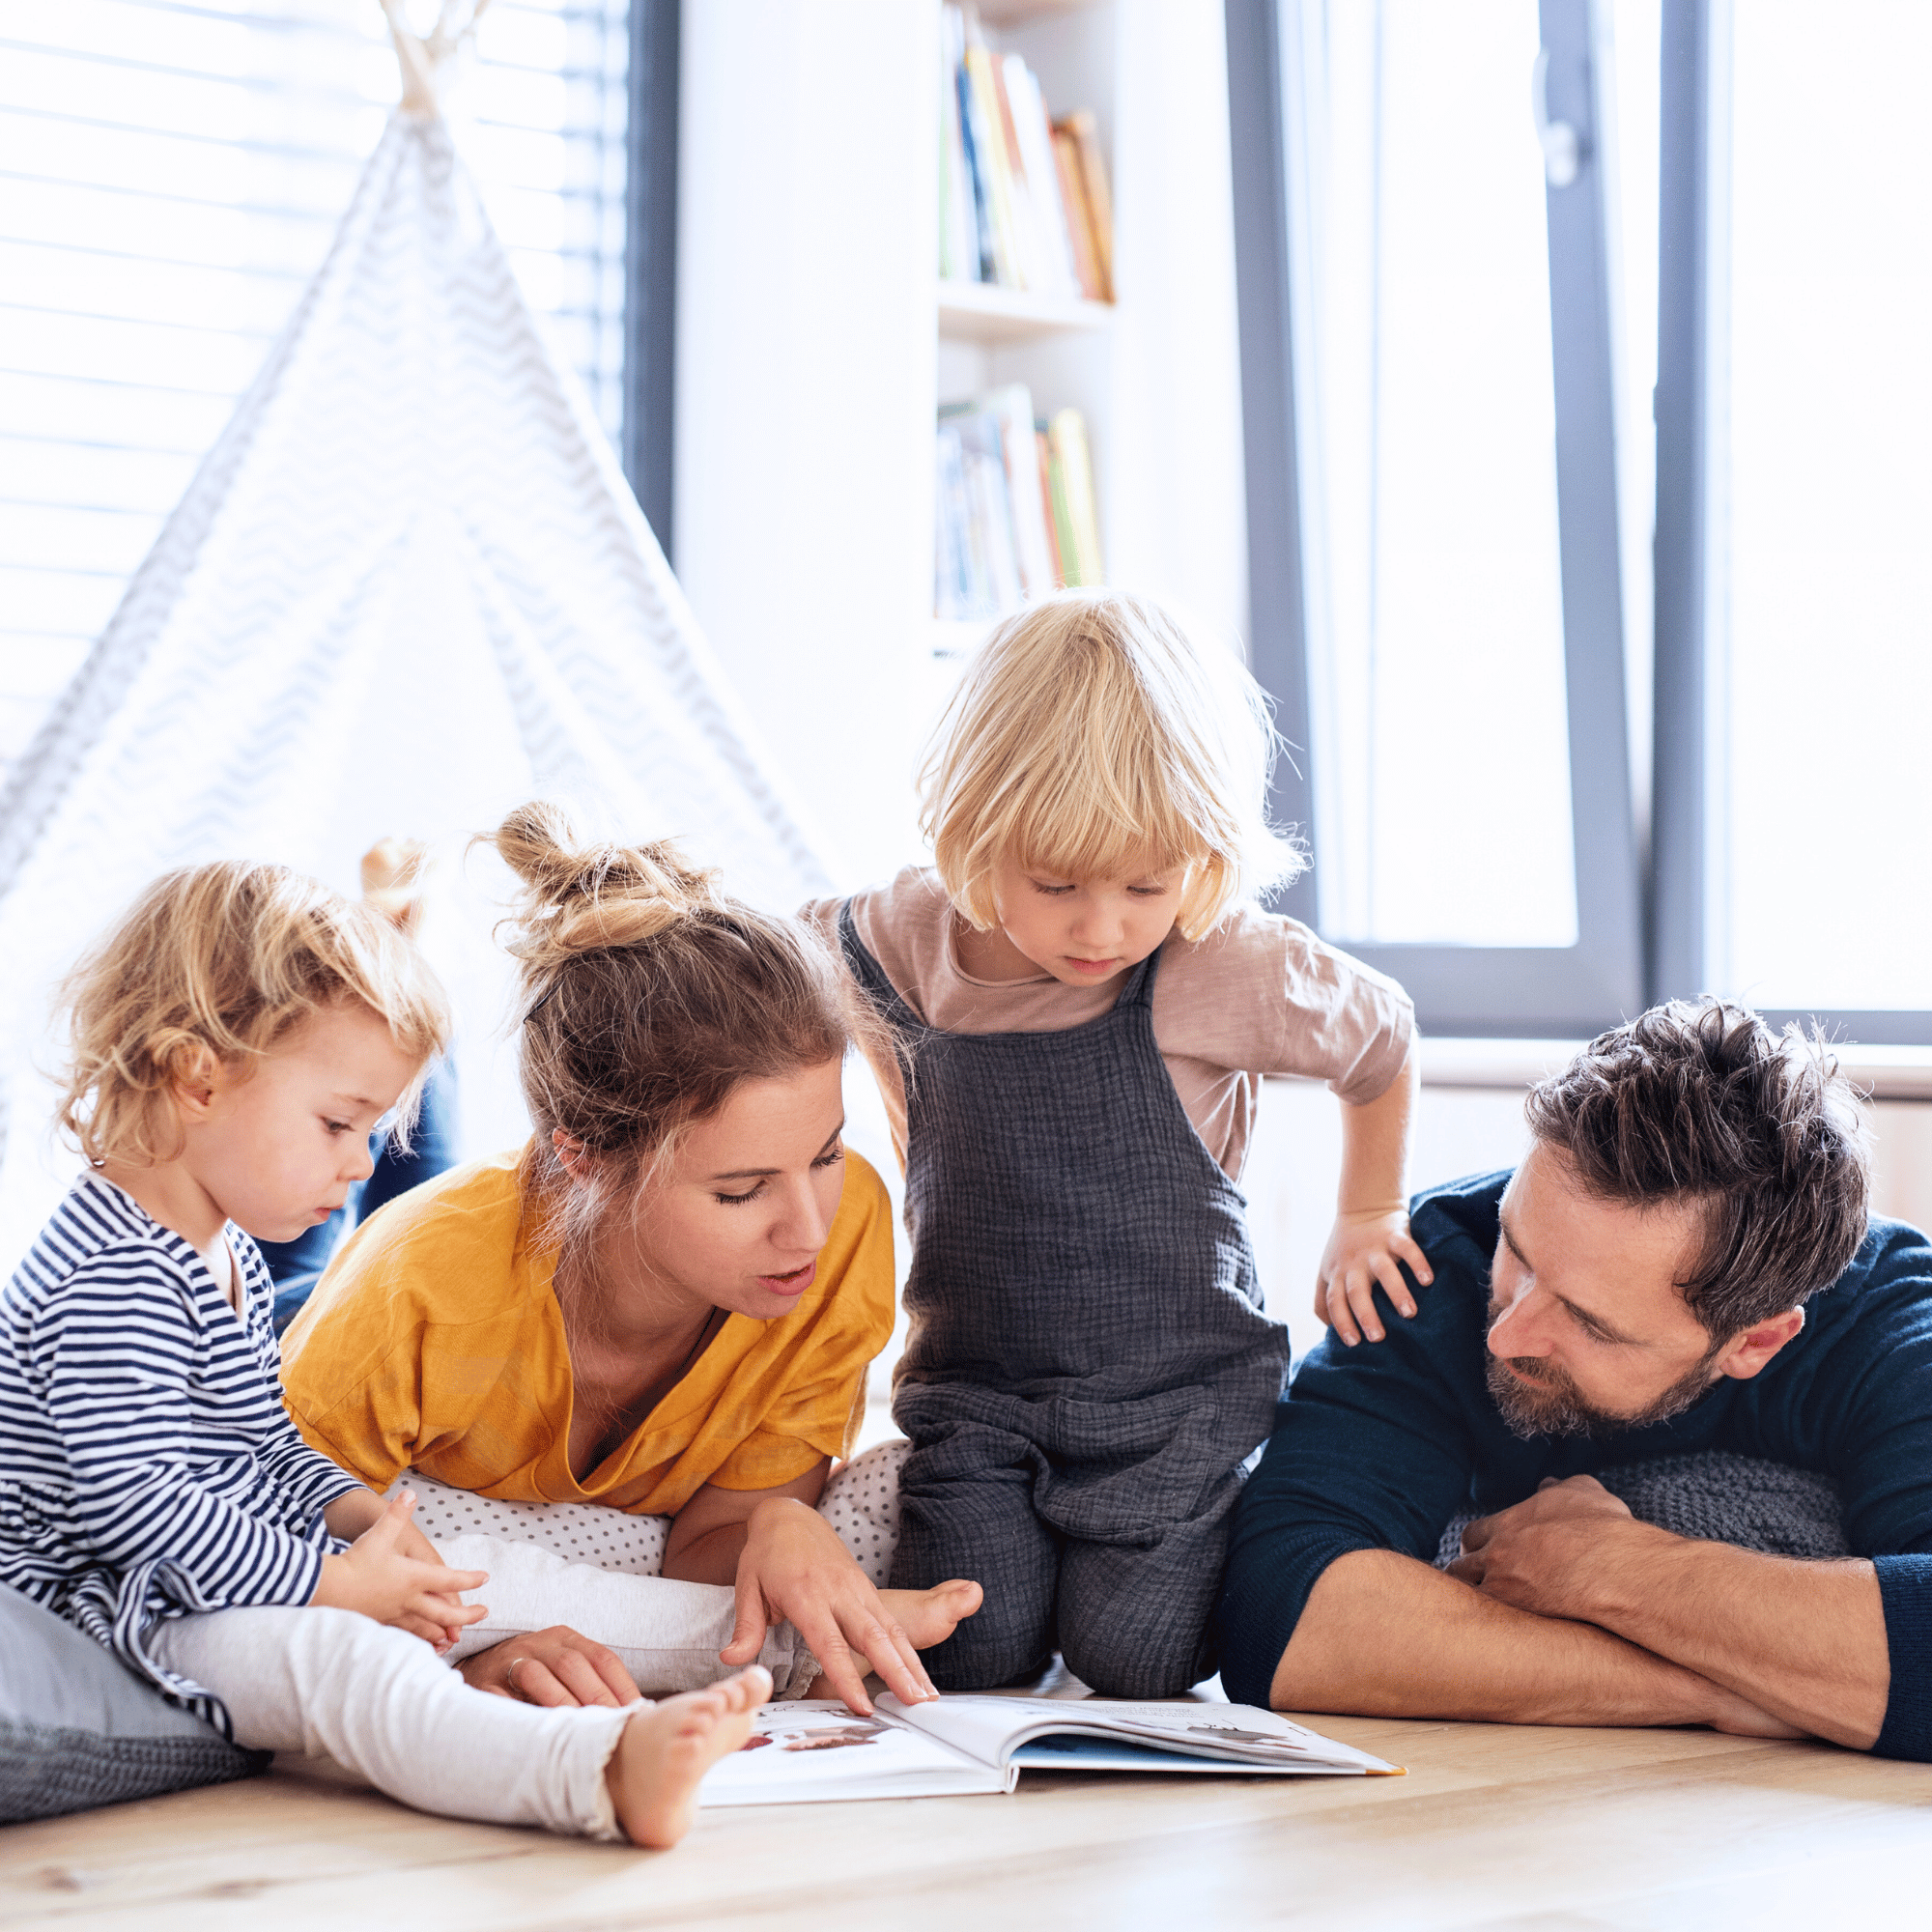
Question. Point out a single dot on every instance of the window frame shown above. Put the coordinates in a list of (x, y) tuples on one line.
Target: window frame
[(1495, 991), (650, 263)]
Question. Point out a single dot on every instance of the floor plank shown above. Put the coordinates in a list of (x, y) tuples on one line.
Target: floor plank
[(1537, 1829)]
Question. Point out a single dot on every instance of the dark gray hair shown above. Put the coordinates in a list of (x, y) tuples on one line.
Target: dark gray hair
[(1700, 1100)]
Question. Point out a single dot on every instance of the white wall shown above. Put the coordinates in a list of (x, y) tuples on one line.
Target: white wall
[(1178, 519), (807, 241)]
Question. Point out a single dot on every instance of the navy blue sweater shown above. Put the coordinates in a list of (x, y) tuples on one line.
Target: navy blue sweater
[(1379, 1446)]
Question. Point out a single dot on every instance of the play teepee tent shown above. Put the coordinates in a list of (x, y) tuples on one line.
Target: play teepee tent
[(407, 587)]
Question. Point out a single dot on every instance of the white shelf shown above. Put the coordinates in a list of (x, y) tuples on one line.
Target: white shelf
[(985, 313), (1022, 12)]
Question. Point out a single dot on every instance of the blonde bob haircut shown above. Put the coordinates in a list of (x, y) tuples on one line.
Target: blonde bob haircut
[(1092, 738), (219, 964)]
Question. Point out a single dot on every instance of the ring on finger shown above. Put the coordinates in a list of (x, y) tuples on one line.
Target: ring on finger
[(510, 1676)]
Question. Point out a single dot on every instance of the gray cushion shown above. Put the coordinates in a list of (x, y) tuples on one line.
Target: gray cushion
[(1720, 1499), (78, 1729)]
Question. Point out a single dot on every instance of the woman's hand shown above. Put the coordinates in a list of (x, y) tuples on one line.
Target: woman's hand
[(379, 1576), (556, 1666), (795, 1567), (1366, 1248)]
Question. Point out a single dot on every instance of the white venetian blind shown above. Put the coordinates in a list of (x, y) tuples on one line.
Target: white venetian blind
[(171, 172)]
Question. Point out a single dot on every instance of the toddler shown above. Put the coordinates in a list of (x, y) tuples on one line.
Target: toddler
[(1087, 997), (235, 1042)]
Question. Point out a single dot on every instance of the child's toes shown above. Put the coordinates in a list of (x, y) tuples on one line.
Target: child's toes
[(745, 1690), (664, 1753)]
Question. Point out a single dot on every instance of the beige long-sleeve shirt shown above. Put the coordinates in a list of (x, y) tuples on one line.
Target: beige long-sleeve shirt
[(1258, 995)]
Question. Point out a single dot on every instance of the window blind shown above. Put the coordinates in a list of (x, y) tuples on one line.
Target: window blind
[(171, 173)]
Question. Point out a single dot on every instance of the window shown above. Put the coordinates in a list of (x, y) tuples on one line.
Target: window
[(1796, 622), (173, 173), (1427, 237)]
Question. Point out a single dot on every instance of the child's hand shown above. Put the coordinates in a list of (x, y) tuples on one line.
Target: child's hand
[(357, 1510), (379, 1578), (1363, 1250)]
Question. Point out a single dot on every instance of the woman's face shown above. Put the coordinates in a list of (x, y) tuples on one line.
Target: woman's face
[(738, 1220)]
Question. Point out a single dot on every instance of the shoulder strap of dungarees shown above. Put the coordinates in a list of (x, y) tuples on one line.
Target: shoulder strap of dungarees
[(1139, 989), (905, 1024)]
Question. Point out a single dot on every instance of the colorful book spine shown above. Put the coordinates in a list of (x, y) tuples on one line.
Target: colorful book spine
[(1034, 133), (1072, 471), (1085, 131), (1073, 198), (959, 253), (989, 161)]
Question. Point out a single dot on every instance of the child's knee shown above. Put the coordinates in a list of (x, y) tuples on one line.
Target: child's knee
[(1008, 1648), (1138, 1627)]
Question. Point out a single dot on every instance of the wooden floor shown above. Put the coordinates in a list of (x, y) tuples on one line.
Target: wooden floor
[(1491, 1827)]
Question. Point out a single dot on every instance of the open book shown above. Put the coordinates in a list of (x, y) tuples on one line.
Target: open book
[(963, 1744)]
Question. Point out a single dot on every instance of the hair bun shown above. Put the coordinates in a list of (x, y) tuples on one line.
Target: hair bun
[(580, 898)]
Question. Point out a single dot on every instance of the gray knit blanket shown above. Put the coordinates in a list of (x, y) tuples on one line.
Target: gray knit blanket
[(1718, 1498)]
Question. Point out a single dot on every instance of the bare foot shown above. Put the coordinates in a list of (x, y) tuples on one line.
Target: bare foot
[(930, 1617), (653, 1774)]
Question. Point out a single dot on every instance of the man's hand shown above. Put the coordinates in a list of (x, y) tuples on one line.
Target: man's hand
[(1542, 1554), (1365, 1248), (1789, 1648), (554, 1667), (380, 1580), (795, 1566)]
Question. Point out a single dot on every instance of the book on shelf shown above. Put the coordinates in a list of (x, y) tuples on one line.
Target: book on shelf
[(1015, 510), (1023, 199), (960, 1746), (1080, 134)]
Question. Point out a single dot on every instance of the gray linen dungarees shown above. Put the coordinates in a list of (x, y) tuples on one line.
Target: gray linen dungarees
[(1088, 1365)]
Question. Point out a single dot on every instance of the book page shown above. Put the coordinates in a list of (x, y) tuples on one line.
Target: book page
[(991, 1729), (819, 1750)]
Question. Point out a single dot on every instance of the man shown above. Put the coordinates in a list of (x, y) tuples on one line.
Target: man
[(1682, 1263)]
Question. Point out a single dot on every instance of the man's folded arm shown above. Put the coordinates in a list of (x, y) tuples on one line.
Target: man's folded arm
[(1328, 1603), (1385, 1635), (1806, 1641)]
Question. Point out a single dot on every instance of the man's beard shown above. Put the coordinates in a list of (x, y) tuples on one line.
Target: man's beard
[(1555, 1407)]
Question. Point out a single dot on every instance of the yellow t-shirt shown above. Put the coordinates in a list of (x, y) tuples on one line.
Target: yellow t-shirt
[(433, 1342)]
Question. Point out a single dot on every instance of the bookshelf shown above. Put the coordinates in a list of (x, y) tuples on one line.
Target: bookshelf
[(816, 342), (988, 335)]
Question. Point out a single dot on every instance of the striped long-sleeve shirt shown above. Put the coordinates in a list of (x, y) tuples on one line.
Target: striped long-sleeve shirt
[(147, 1469)]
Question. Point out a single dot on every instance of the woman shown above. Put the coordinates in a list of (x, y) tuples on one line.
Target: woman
[(665, 1303)]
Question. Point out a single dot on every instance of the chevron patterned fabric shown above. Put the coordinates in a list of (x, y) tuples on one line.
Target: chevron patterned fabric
[(407, 587)]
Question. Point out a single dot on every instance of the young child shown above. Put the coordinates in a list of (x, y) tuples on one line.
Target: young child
[(1087, 999), (235, 1040)]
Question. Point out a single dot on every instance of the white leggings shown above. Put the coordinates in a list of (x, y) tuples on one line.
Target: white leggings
[(382, 1705), (597, 1569)]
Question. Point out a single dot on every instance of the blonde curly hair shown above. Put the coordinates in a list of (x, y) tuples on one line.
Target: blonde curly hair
[(217, 965)]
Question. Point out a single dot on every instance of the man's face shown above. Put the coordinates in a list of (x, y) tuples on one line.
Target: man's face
[(1589, 1332)]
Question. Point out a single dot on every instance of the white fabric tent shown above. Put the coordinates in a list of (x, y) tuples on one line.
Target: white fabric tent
[(407, 589)]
